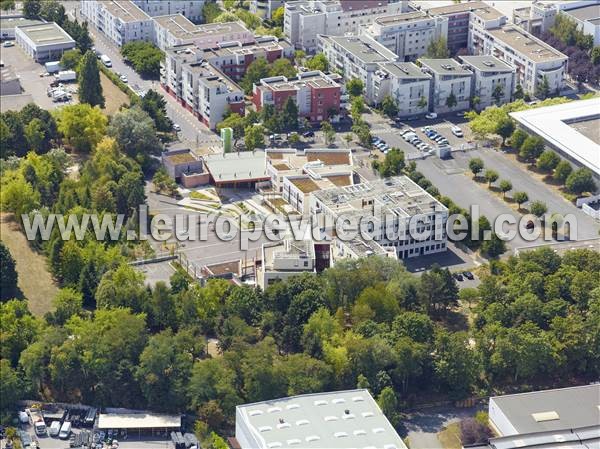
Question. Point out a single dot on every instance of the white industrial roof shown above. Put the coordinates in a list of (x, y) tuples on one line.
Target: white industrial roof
[(335, 420), (138, 421), (551, 123)]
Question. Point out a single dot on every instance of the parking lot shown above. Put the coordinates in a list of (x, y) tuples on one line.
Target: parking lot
[(32, 83)]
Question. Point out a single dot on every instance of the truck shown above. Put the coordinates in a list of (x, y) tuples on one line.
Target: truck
[(65, 430), (36, 418), (53, 66), (106, 61), (55, 428), (66, 75)]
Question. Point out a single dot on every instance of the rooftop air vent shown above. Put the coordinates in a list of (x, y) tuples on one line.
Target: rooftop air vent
[(545, 416)]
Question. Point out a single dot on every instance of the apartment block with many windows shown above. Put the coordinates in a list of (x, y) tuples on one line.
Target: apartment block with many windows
[(119, 21), (493, 80), (192, 9), (316, 95), (305, 19), (406, 83), (264, 8), (407, 34), (357, 57), (449, 80)]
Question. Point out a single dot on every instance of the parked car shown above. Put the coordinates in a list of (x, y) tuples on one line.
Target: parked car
[(308, 134), (8, 44), (469, 275), (458, 277), (176, 127), (431, 115), (457, 131), (432, 135), (124, 78)]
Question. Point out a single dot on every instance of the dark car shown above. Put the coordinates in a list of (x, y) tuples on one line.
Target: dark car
[(458, 277), (308, 134), (469, 275)]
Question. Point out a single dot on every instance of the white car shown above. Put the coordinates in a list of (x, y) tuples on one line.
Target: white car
[(457, 131), (176, 127), (431, 115), (123, 78), (8, 44)]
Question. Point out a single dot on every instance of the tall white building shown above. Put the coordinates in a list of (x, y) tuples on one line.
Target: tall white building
[(264, 8), (406, 83), (395, 212), (192, 9), (304, 19), (491, 78), (357, 57), (532, 58), (337, 419), (408, 34), (449, 79)]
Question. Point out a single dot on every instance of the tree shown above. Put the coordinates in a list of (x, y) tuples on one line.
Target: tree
[(355, 87), (388, 403), (11, 386), (498, 94), (53, 11), (389, 106), (519, 94), (493, 247), (393, 164), (90, 89), (254, 137), (277, 16), (517, 138), (548, 161), (156, 107), (543, 88), (81, 125), (289, 114), (70, 59), (237, 123), (357, 108), (562, 171), (144, 56), (451, 100), (67, 303), (35, 135), (505, 128), (282, 67), (505, 186), (7, 5), (294, 139), (363, 133), (538, 208), (210, 11), (32, 9), (579, 181), (490, 176), (318, 62), (532, 148), (455, 364), (520, 198), (476, 166), (422, 103), (122, 287), (258, 69), (596, 55), (134, 132), (473, 432), (328, 132), (438, 48), (8, 274)]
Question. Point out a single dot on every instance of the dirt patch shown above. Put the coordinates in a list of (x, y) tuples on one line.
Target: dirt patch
[(113, 96), (35, 281)]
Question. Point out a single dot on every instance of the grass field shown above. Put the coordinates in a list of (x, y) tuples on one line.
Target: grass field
[(35, 281), (450, 437), (113, 97)]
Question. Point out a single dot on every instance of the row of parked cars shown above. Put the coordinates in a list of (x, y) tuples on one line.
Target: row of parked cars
[(411, 137)]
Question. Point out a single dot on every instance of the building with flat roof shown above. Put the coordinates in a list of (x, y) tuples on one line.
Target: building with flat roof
[(9, 23), (43, 42), (493, 80), (546, 410), (536, 17), (357, 57), (587, 18), (406, 83), (317, 95), (337, 419), (265, 8), (192, 9), (407, 34), (393, 211), (449, 79), (142, 422), (244, 168), (9, 81), (305, 19), (562, 127), (284, 259), (533, 59)]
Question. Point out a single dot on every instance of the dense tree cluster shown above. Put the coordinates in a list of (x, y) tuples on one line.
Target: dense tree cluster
[(30, 129), (260, 68), (145, 58)]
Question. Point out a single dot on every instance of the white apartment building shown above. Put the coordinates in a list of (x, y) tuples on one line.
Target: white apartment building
[(305, 19), (395, 212), (449, 78), (407, 34), (120, 21), (490, 72), (535, 18), (333, 420), (357, 57), (171, 31), (406, 83), (587, 16), (284, 259), (192, 9), (264, 8), (532, 58)]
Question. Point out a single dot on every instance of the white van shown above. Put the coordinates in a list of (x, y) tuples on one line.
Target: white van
[(65, 430), (54, 428), (106, 61)]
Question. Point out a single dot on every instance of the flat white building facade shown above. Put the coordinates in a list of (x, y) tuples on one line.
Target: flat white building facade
[(493, 80), (192, 9), (407, 34), (304, 19), (449, 80), (406, 83)]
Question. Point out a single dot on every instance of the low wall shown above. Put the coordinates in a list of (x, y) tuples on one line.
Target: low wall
[(194, 179)]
